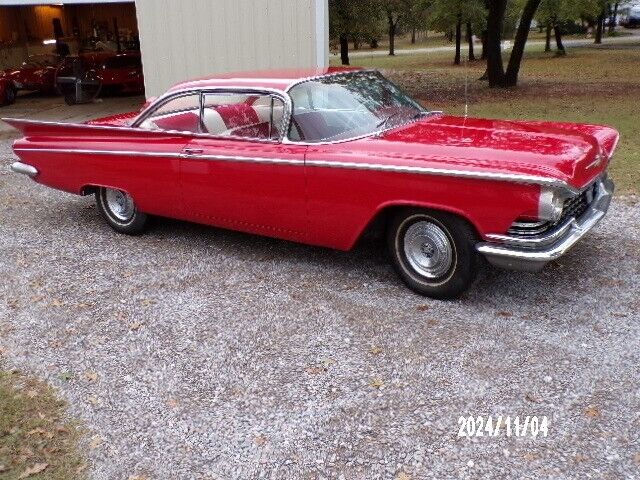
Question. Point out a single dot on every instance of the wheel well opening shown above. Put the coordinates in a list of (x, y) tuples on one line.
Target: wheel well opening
[(88, 190), (376, 229)]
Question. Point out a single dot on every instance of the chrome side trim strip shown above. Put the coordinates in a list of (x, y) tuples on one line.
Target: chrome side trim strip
[(24, 169), (505, 177), (227, 158), (102, 152)]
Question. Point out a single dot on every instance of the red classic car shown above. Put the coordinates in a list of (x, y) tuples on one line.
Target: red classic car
[(100, 72), (37, 73), (122, 73), (322, 157)]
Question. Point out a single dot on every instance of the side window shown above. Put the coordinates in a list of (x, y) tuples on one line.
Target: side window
[(243, 115), (179, 114)]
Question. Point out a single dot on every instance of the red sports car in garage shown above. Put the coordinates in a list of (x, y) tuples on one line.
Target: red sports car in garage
[(321, 157), (38, 73), (122, 73), (84, 77)]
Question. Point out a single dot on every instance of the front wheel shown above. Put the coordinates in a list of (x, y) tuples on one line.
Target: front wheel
[(433, 252), (120, 211)]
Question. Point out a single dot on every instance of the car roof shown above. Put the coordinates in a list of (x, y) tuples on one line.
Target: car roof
[(269, 79)]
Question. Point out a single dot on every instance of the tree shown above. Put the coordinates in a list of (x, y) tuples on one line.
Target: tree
[(497, 75), (352, 20), (395, 12), (446, 15), (553, 14), (472, 55)]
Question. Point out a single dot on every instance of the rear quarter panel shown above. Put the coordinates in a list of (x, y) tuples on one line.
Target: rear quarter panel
[(151, 180)]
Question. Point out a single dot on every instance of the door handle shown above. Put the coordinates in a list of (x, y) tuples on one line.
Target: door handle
[(192, 151)]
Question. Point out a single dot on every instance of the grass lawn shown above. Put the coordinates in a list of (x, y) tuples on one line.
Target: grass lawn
[(594, 84), (36, 442)]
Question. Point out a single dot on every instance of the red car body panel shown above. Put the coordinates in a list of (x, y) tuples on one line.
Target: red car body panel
[(322, 194), (35, 78)]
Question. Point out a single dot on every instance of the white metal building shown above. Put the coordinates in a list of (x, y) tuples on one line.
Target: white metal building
[(182, 39), (192, 38)]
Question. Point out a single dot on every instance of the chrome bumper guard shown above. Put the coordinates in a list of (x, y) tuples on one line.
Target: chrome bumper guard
[(24, 169), (532, 254)]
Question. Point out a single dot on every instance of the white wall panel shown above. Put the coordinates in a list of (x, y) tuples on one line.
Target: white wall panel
[(184, 39)]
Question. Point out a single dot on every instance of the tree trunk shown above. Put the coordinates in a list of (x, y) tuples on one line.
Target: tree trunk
[(344, 49), (392, 36), (495, 20), (356, 44), (413, 35), (483, 38), (456, 61), (472, 54), (559, 45), (513, 69), (614, 19), (599, 28), (374, 43), (547, 43)]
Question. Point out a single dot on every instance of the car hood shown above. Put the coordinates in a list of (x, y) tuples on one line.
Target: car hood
[(564, 151)]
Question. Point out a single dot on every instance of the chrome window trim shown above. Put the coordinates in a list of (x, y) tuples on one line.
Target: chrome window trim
[(202, 92), (328, 75)]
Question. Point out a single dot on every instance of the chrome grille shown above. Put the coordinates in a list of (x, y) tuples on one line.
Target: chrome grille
[(525, 228), (574, 207)]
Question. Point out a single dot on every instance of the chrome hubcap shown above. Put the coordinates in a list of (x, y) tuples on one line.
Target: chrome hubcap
[(428, 249), (120, 204)]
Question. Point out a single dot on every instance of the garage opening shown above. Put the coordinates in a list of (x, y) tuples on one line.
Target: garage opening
[(81, 50)]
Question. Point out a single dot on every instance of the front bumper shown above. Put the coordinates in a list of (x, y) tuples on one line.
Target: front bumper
[(533, 254)]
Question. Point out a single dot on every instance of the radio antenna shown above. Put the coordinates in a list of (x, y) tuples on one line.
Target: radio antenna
[(466, 85)]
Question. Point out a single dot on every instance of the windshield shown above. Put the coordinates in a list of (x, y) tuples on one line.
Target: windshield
[(354, 104)]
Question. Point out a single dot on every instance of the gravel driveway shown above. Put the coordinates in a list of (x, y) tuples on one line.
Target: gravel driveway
[(193, 352)]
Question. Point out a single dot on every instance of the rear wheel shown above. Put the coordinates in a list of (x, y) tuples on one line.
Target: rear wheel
[(120, 211), (433, 252)]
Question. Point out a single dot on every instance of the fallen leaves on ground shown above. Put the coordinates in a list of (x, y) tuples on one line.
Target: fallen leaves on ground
[(376, 383), (33, 470), (375, 350), (315, 370), (260, 440), (96, 442), (91, 376), (592, 411), (135, 326), (403, 476)]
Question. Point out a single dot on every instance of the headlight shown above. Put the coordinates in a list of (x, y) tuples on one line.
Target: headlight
[(551, 205)]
